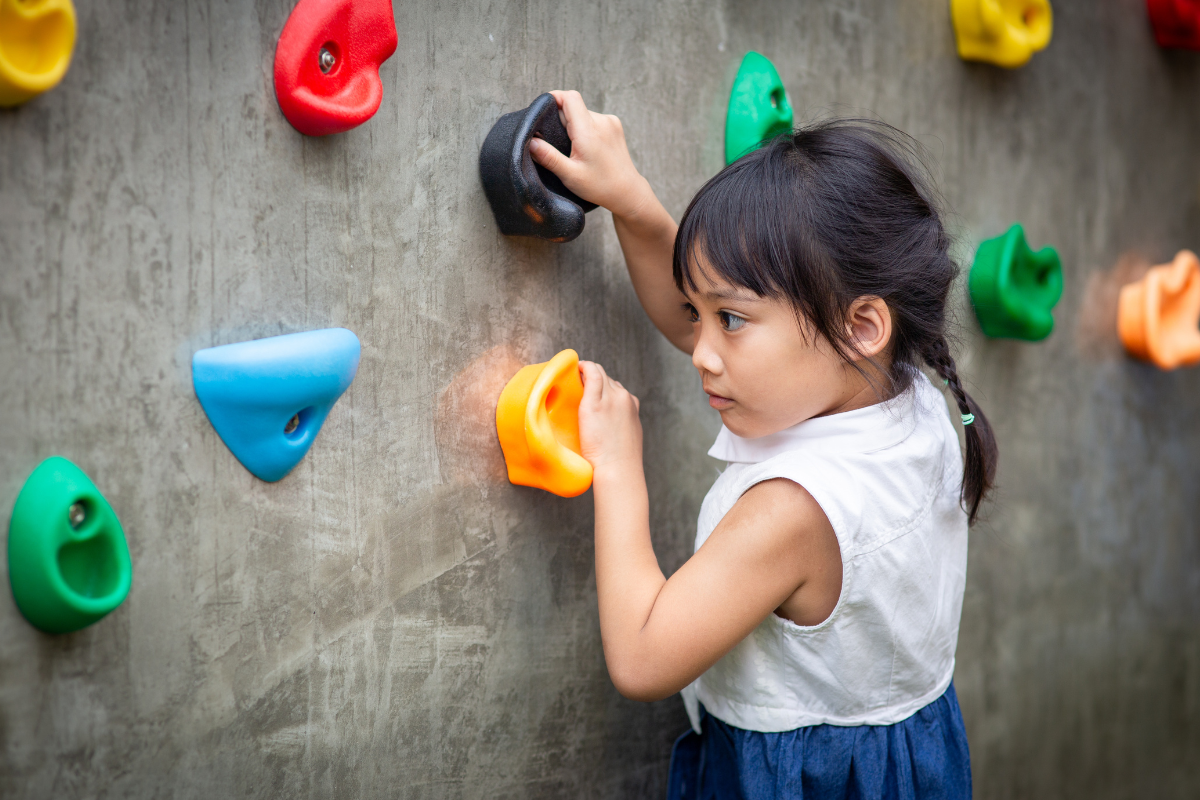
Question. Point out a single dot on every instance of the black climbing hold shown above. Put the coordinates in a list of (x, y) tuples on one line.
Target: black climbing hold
[(527, 199)]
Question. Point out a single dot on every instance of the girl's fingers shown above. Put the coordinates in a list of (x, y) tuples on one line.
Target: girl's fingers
[(587, 374), (606, 382), (636, 403), (549, 156), (557, 94), (593, 380), (597, 383), (574, 110)]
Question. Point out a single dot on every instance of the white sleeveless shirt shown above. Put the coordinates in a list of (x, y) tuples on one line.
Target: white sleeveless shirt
[(888, 478)]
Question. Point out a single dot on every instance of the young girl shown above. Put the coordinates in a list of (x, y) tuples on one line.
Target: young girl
[(812, 633)]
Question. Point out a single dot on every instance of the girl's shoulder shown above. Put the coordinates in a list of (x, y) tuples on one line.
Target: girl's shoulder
[(874, 474)]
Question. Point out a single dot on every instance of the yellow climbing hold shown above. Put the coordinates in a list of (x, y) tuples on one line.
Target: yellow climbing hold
[(537, 420), (1002, 32), (36, 40)]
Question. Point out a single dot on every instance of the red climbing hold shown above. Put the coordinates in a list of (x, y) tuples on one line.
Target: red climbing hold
[(1176, 22), (327, 63)]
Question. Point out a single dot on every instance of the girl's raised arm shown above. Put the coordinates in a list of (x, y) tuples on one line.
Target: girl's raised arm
[(601, 170)]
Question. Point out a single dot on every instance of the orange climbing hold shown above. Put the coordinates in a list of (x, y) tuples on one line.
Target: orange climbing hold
[(1159, 316), (537, 420), (36, 40)]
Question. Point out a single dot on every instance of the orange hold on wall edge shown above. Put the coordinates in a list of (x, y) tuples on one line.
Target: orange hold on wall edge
[(537, 420), (1158, 316)]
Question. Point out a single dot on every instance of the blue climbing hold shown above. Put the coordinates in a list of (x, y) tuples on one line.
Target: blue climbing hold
[(268, 398)]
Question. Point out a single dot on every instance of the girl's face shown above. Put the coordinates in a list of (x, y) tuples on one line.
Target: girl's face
[(763, 372)]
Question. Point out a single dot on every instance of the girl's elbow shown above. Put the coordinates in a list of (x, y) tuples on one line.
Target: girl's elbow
[(640, 684), (641, 692)]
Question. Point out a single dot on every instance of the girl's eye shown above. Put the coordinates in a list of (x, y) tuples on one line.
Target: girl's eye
[(693, 314), (730, 322)]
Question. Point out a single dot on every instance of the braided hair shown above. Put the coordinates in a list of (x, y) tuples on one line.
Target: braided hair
[(830, 213)]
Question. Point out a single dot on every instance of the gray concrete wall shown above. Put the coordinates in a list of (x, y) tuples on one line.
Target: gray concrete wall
[(393, 619)]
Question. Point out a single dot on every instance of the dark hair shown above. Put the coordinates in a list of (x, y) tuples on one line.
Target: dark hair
[(827, 214)]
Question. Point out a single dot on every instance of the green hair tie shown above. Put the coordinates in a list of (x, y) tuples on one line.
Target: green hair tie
[(967, 419)]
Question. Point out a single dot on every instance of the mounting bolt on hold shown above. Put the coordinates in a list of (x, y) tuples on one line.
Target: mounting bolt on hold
[(326, 60), (292, 424), (76, 514)]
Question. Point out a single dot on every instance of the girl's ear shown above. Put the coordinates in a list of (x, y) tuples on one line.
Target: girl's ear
[(869, 326)]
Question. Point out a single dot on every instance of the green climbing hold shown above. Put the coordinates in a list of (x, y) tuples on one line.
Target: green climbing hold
[(1014, 289), (758, 107), (67, 558)]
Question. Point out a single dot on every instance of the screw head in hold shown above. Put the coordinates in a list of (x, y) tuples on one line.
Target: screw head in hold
[(292, 424), (76, 514), (326, 60)]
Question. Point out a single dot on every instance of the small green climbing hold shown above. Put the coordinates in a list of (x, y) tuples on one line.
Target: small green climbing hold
[(758, 107), (1014, 289), (67, 558)]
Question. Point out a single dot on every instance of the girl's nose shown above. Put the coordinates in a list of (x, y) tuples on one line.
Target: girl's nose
[(704, 357)]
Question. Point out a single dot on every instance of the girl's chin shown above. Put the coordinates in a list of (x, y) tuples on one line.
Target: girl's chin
[(739, 425)]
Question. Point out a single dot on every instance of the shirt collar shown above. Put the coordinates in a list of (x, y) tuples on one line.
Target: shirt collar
[(863, 430)]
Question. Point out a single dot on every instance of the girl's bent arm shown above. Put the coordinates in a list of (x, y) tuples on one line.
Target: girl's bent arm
[(774, 547), (660, 635)]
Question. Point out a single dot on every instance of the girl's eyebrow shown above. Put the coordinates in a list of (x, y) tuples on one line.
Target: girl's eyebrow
[(744, 297)]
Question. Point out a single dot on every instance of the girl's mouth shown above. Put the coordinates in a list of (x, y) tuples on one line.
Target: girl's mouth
[(718, 402)]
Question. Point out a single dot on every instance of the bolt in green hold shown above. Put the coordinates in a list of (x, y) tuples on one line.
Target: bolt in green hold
[(68, 562), (758, 107), (1013, 288)]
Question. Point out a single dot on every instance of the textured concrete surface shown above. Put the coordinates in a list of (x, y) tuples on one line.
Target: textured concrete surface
[(394, 619)]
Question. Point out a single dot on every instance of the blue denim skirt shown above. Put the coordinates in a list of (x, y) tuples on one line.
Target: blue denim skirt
[(921, 758)]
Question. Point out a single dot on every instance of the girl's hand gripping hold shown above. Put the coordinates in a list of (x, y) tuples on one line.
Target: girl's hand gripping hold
[(600, 168), (610, 433)]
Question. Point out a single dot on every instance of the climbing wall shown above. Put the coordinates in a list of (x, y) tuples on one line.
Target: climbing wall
[(393, 618)]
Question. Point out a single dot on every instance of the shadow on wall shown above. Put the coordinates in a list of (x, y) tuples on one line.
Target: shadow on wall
[(465, 426), (1096, 334)]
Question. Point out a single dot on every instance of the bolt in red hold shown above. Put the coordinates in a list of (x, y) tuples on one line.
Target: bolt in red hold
[(327, 63)]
